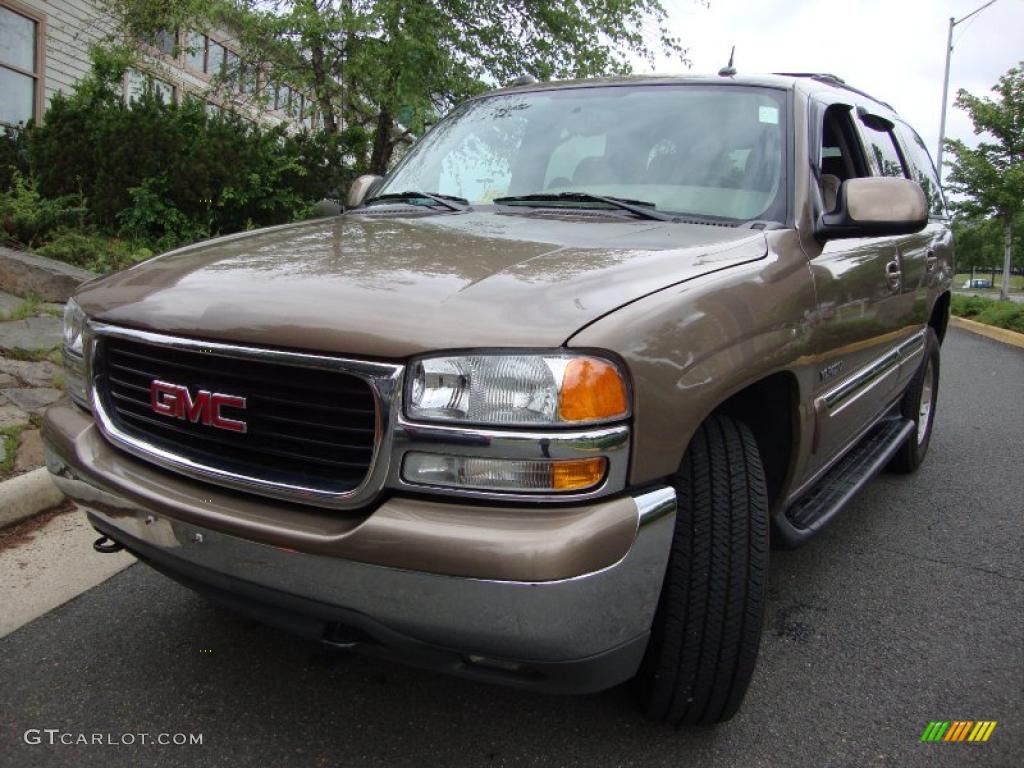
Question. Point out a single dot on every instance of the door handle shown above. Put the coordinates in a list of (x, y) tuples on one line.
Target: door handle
[(893, 274), (930, 260)]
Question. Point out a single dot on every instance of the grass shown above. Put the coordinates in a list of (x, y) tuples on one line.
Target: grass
[(1016, 281), (30, 307), (11, 438), (33, 355), (1001, 314)]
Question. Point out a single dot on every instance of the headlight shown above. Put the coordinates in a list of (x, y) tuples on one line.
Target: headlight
[(74, 325), (75, 365), (517, 389), (519, 475)]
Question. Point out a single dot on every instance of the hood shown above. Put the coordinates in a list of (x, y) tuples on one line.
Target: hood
[(389, 287)]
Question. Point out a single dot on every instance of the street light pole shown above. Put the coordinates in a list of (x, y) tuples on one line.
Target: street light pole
[(945, 83), (945, 97)]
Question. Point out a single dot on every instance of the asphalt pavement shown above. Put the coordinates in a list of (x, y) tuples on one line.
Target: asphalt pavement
[(910, 608)]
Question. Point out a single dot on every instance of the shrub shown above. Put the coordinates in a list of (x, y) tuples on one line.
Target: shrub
[(94, 251), (102, 184), (174, 172), (152, 214), (27, 218), (967, 306), (13, 157), (1003, 314)]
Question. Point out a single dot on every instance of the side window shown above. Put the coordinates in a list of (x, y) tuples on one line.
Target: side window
[(884, 152), (922, 170), (841, 155)]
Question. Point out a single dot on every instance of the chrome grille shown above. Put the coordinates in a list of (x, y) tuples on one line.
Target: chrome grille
[(307, 427)]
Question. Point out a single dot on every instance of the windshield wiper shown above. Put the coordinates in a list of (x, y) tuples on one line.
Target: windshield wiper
[(641, 208), (451, 202)]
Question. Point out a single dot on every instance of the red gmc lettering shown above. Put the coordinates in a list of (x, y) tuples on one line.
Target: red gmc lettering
[(197, 410), (231, 401), (177, 402), (163, 398)]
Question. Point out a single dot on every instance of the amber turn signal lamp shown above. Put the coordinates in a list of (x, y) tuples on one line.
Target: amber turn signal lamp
[(577, 474), (592, 390)]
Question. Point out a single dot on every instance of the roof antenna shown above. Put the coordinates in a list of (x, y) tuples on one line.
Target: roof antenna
[(728, 70)]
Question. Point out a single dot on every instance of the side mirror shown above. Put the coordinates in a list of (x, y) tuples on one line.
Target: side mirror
[(875, 207), (361, 189)]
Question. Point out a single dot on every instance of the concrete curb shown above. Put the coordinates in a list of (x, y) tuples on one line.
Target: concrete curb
[(990, 331), (23, 496)]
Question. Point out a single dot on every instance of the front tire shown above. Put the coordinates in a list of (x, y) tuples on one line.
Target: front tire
[(707, 628), (918, 405)]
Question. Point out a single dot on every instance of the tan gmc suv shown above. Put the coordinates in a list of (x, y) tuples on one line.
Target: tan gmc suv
[(531, 409)]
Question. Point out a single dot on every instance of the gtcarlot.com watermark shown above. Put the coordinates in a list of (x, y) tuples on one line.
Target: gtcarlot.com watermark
[(57, 737)]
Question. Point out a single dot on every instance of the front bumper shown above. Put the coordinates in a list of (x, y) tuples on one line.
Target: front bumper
[(580, 633)]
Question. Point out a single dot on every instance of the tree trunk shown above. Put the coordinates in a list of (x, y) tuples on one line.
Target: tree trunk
[(1004, 291), (320, 89), (383, 144)]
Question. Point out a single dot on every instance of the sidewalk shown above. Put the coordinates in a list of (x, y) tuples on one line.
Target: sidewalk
[(46, 561)]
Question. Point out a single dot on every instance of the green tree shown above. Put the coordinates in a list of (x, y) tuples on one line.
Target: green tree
[(979, 243), (990, 177), (390, 67)]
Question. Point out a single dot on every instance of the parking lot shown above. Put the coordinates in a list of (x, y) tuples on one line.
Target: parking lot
[(909, 609)]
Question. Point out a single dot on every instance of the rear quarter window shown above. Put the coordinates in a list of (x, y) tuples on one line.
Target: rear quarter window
[(922, 170), (884, 153)]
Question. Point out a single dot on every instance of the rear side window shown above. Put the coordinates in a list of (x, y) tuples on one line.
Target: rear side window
[(884, 152), (922, 170)]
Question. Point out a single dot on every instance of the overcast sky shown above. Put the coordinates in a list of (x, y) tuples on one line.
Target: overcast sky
[(893, 49)]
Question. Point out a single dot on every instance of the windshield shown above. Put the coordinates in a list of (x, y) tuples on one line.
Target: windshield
[(714, 151)]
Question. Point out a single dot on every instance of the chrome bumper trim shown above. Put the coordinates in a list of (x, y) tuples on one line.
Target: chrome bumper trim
[(554, 621)]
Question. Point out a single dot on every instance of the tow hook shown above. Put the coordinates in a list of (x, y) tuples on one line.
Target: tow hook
[(107, 546)]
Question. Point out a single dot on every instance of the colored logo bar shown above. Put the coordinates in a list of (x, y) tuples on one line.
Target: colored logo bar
[(958, 730)]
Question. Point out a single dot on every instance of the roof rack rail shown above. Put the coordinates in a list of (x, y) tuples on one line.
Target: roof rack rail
[(825, 77), (815, 75)]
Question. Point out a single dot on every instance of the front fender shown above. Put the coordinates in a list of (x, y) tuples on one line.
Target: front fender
[(693, 345)]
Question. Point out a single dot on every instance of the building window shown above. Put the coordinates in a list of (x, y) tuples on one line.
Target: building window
[(137, 82), (233, 71), (163, 40), (214, 58), (195, 51), (283, 94), (204, 54), (249, 82), (21, 63)]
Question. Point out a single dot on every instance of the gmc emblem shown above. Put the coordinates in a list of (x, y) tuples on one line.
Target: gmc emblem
[(177, 402)]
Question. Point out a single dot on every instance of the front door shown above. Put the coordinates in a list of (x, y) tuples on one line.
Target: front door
[(866, 291)]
